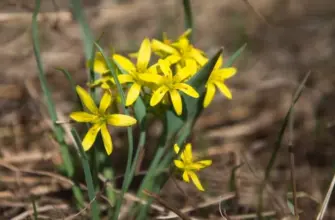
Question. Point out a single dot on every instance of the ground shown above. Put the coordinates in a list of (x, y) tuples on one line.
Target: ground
[(285, 40)]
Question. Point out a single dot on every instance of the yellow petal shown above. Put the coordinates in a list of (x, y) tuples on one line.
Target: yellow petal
[(86, 99), (176, 101), (105, 102), (209, 94), (200, 164), (188, 158), (176, 148), (225, 73), (149, 77), (181, 75), (188, 70), (124, 63), (107, 139), (165, 67), (133, 94), (186, 33), (182, 44), (83, 116), (121, 120), (125, 78), (172, 59), (158, 95), (224, 89), (144, 55), (187, 89), (196, 180), (218, 63), (179, 164), (99, 66), (198, 57), (186, 177), (157, 45), (90, 137)]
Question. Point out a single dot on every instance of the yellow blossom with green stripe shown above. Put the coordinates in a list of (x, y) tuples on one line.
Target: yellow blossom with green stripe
[(171, 84), (99, 118), (189, 167), (216, 80), (135, 71), (179, 52)]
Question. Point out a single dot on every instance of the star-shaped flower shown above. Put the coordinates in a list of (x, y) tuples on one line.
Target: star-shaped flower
[(189, 166), (135, 72), (180, 51), (171, 84), (99, 118), (216, 79)]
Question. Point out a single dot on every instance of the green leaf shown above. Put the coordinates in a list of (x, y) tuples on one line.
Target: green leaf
[(188, 16), (88, 175), (140, 111), (57, 129), (78, 195), (35, 210), (86, 33), (113, 71), (72, 84), (109, 175), (232, 58), (198, 81)]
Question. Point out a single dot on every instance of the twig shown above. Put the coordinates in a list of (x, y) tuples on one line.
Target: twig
[(257, 12), (223, 213), (326, 200), (252, 216), (292, 162), (208, 202), (166, 205), (27, 213)]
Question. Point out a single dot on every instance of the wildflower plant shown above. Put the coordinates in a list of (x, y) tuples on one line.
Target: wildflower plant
[(170, 80)]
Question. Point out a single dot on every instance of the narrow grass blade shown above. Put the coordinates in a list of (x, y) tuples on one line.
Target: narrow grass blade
[(35, 209), (233, 57), (88, 176), (278, 144), (283, 128), (79, 197), (57, 129), (326, 200), (112, 67), (188, 17), (72, 84), (86, 33), (232, 179), (109, 175)]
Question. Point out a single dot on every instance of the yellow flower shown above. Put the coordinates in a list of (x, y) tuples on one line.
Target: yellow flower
[(171, 84), (134, 72), (99, 64), (216, 79), (100, 118), (180, 51), (189, 166)]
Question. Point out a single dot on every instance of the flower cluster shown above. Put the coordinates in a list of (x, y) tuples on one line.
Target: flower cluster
[(166, 79), (157, 82)]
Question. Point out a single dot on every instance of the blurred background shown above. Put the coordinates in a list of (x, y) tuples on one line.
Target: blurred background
[(285, 39)]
